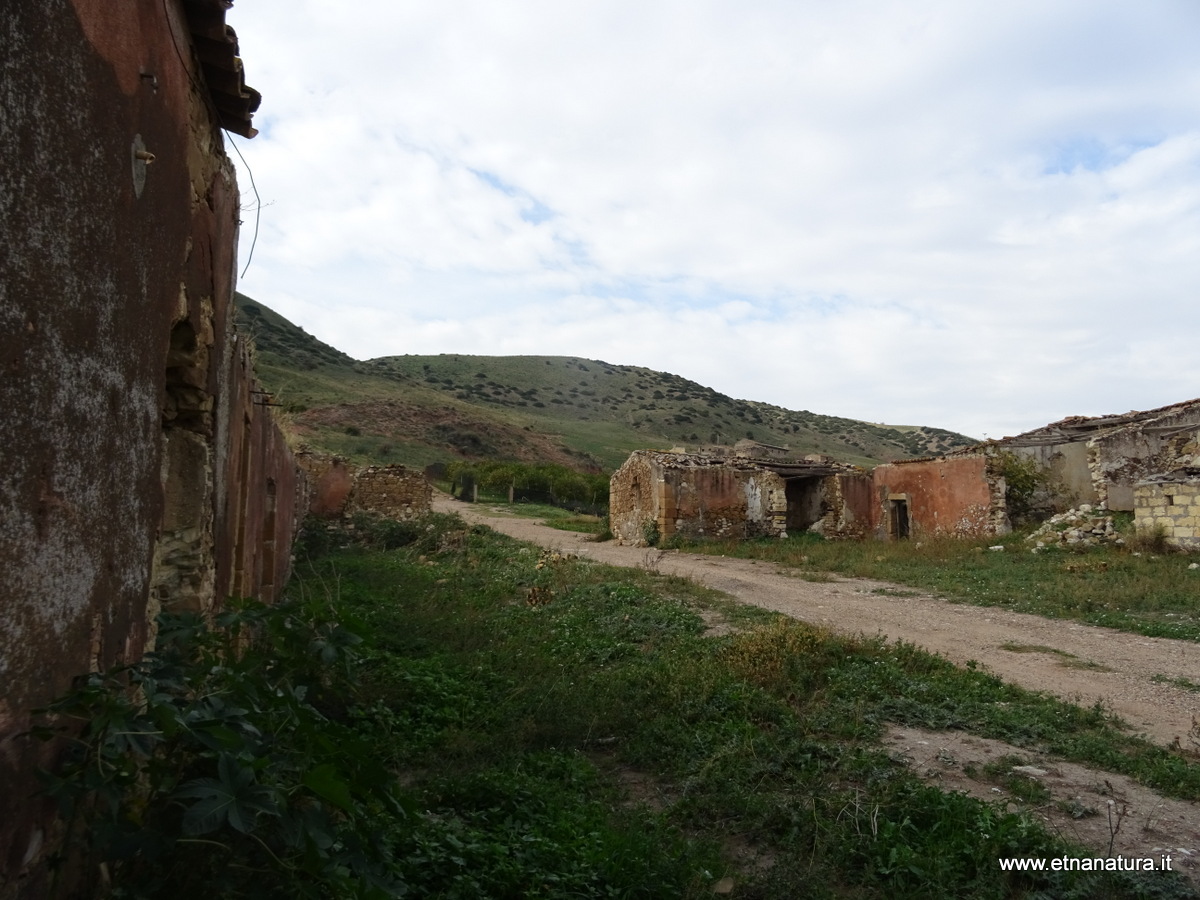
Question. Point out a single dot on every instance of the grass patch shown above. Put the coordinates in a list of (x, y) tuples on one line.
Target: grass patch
[(770, 734), (1183, 683), (1112, 587), (554, 516), (473, 742)]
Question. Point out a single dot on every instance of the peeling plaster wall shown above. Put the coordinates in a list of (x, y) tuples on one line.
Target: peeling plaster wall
[(848, 505), (949, 495), (1069, 468), (1102, 465), (137, 468), (701, 496), (719, 501)]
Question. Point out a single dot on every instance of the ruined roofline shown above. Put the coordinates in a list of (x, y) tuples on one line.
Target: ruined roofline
[(216, 46), (981, 449), (798, 468), (1079, 428), (1182, 475)]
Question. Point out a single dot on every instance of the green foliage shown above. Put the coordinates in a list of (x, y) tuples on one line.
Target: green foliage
[(597, 412), (517, 724), (203, 771), (1027, 484), (559, 484), (650, 533)]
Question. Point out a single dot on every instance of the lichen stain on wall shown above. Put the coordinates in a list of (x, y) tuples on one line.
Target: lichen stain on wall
[(106, 431)]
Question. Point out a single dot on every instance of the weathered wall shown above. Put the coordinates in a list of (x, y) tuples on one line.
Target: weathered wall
[(1099, 460), (701, 496), (1069, 470), (393, 492), (720, 501), (338, 488), (1128, 455), (1170, 502), (632, 503), (848, 506), (137, 469), (947, 495), (330, 481)]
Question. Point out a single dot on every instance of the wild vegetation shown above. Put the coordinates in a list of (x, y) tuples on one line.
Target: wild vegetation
[(548, 483), (576, 412), (513, 723)]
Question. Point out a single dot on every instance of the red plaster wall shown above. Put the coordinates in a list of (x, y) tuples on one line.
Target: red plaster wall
[(92, 280), (946, 496)]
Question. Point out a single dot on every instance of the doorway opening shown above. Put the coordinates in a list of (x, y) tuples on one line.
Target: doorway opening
[(898, 522)]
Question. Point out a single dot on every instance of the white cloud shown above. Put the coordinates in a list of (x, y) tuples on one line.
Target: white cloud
[(971, 215)]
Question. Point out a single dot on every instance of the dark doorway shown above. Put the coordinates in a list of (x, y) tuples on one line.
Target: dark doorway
[(898, 519), (804, 506)]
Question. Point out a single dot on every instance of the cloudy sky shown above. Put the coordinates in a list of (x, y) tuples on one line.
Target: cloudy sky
[(979, 216)]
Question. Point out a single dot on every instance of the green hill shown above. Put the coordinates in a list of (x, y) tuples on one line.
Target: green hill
[(580, 412)]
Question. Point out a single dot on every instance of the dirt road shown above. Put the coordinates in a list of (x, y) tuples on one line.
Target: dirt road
[(1110, 666)]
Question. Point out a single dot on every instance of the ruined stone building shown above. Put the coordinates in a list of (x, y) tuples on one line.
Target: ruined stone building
[(1100, 459), (656, 494), (1118, 462), (139, 467)]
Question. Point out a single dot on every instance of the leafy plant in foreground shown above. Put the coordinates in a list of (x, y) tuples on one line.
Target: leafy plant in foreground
[(217, 765)]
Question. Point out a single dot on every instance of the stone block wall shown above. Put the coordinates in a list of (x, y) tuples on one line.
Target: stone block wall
[(1170, 502), (340, 488), (391, 492)]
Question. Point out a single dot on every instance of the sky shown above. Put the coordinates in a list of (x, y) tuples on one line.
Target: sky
[(975, 216)]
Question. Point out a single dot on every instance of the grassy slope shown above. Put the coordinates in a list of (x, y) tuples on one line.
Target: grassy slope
[(418, 409)]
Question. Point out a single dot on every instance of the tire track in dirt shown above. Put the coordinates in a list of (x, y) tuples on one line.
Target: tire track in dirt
[(1119, 666)]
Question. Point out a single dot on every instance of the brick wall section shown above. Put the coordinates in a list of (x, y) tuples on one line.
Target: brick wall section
[(140, 470), (1170, 502)]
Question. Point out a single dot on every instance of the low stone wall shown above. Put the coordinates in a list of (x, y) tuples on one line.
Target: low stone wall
[(1170, 502), (339, 488), (393, 492)]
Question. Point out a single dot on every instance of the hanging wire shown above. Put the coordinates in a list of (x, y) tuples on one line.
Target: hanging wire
[(216, 117), (257, 202)]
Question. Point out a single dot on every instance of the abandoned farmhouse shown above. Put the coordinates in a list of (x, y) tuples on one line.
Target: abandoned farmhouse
[(1147, 463)]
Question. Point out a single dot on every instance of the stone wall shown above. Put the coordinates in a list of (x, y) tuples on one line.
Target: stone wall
[(702, 496), (1099, 459), (1172, 502), (632, 501), (140, 469), (339, 488), (391, 492)]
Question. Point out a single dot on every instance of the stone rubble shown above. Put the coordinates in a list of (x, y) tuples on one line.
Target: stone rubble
[(1084, 526)]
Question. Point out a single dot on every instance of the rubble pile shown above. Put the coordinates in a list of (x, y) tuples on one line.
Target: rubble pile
[(1084, 526)]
